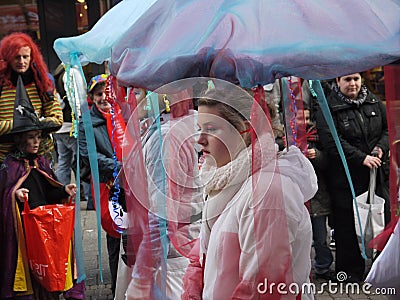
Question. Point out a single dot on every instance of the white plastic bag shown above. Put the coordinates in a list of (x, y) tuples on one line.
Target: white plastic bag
[(371, 210)]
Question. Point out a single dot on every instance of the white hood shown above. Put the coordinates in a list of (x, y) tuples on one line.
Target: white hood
[(295, 165)]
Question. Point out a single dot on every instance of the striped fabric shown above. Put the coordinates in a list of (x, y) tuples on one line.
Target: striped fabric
[(51, 110)]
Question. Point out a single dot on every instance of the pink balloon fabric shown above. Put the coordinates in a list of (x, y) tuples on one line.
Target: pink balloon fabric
[(252, 42), (264, 240)]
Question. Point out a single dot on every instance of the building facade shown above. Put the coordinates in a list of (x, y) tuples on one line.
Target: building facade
[(47, 20)]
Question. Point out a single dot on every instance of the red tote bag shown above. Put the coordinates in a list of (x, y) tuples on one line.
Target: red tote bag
[(48, 232)]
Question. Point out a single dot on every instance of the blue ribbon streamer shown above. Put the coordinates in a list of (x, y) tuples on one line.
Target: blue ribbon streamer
[(163, 212), (79, 256), (153, 97), (317, 88), (92, 153)]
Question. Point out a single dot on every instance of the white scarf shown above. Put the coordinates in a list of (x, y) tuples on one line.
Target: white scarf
[(236, 171), (222, 185)]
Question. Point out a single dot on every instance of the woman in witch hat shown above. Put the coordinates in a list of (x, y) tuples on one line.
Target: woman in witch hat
[(20, 57), (25, 176)]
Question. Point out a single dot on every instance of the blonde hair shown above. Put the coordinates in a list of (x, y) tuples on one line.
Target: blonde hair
[(233, 105)]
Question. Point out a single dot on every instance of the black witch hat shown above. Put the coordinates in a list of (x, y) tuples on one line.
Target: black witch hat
[(25, 118)]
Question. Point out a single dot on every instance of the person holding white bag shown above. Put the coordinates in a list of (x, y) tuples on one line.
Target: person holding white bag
[(360, 120)]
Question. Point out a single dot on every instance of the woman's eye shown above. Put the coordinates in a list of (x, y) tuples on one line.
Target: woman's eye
[(350, 79), (206, 130), (210, 129)]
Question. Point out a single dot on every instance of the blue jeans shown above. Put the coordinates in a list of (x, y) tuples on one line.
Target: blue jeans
[(66, 149), (323, 255)]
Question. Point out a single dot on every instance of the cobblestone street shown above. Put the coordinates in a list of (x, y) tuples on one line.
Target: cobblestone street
[(95, 289), (102, 291)]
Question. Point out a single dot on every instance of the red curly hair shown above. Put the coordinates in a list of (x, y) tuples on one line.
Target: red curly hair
[(9, 47)]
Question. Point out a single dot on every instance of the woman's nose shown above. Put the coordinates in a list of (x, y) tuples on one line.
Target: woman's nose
[(202, 139)]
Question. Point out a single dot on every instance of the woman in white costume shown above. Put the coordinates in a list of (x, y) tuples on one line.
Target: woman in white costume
[(255, 239)]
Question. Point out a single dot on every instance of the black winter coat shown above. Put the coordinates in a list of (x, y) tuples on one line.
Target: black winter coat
[(360, 129), (320, 204), (103, 147)]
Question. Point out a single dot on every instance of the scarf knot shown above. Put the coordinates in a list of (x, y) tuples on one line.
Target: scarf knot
[(234, 172)]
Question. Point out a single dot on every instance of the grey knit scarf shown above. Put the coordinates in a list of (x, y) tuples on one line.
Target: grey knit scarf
[(362, 95)]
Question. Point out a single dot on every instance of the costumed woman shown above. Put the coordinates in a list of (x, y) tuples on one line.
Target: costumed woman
[(26, 176), (21, 57), (108, 161), (174, 197), (256, 232)]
